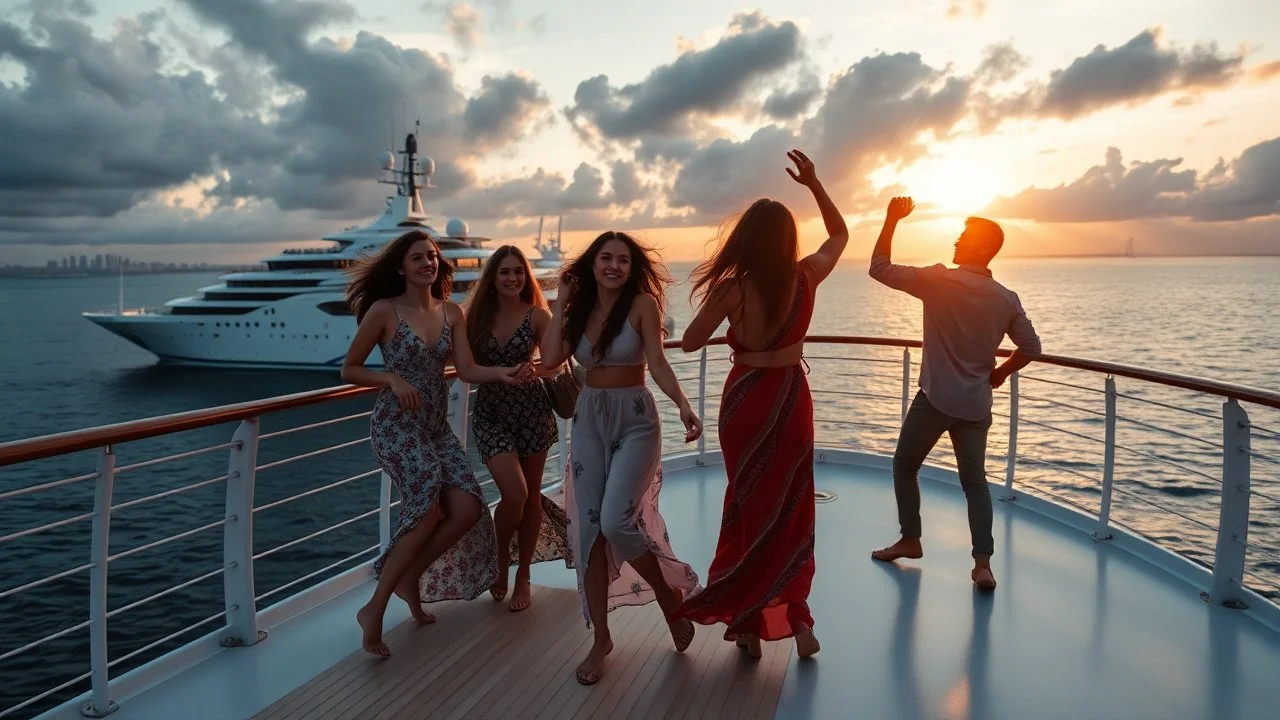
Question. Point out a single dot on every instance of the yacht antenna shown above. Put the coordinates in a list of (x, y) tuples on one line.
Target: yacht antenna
[(120, 292)]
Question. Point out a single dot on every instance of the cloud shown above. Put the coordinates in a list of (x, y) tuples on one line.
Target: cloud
[(1000, 63), (1134, 72), (464, 21), (1246, 188), (166, 128), (784, 104), (957, 9), (98, 126), (698, 83), (1266, 72)]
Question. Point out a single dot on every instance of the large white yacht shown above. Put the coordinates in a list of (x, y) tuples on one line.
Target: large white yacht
[(294, 313)]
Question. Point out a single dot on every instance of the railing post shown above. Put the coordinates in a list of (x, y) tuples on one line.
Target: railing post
[(384, 513), (237, 539), (702, 403), (459, 400), (906, 381), (1103, 531), (100, 703), (1011, 462), (1233, 517)]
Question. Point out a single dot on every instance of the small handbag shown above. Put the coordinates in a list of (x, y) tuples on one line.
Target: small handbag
[(563, 390)]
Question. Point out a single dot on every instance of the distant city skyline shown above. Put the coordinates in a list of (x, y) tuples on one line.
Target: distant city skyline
[(224, 130)]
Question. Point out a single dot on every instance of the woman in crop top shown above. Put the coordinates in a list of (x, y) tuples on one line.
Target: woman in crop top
[(764, 564), (614, 292)]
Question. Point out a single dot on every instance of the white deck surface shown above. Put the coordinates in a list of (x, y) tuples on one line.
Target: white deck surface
[(1076, 629)]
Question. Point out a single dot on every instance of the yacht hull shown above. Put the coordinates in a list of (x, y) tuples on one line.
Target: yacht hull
[(291, 333)]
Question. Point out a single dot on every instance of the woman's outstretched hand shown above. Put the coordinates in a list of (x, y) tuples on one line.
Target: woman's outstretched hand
[(805, 174)]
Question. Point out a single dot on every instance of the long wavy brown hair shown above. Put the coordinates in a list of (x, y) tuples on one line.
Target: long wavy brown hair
[(378, 276), (761, 248), (482, 303), (648, 275)]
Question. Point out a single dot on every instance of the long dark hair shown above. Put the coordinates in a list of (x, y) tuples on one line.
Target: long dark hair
[(482, 304), (762, 248), (377, 277), (648, 275)]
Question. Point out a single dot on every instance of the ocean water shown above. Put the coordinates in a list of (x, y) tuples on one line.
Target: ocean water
[(1213, 318)]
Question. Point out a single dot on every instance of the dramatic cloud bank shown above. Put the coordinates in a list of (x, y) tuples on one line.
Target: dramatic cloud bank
[(253, 125)]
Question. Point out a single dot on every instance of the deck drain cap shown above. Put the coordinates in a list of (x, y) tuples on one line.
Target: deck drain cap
[(823, 496)]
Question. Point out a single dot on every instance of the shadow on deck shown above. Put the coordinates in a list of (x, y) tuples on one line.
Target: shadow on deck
[(481, 661)]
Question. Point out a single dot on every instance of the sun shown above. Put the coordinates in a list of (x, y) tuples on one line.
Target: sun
[(951, 182)]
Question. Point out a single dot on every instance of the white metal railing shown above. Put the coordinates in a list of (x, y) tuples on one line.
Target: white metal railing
[(241, 601)]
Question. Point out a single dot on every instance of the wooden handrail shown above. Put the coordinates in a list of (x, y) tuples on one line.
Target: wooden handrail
[(19, 451)]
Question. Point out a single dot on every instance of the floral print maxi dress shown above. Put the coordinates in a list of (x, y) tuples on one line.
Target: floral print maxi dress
[(420, 453)]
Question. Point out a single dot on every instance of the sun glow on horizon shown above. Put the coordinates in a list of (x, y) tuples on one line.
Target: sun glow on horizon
[(951, 182)]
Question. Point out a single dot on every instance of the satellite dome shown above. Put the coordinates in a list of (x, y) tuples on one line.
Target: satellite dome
[(388, 160), (456, 227), (428, 165)]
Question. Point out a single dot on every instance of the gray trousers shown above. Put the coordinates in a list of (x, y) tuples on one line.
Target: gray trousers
[(921, 430)]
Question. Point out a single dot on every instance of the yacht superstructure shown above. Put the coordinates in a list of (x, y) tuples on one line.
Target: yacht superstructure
[(294, 313)]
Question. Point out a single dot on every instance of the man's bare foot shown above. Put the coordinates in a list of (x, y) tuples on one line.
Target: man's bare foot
[(807, 643), (371, 623), (521, 597), (750, 643), (904, 548), (407, 591), (983, 578), (591, 669)]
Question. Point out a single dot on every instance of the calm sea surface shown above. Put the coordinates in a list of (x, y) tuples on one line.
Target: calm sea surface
[(1214, 318)]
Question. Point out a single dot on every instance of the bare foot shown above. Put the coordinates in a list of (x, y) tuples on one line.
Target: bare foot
[(521, 598), (591, 669), (408, 592), (682, 629), (750, 643), (499, 588), (371, 624), (983, 578), (904, 548), (807, 644)]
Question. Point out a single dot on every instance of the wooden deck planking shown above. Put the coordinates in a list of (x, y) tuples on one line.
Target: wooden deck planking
[(482, 661)]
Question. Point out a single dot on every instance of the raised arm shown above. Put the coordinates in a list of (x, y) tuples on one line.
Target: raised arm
[(554, 347), (719, 302), (465, 363), (372, 327), (660, 369), (899, 277), (824, 260)]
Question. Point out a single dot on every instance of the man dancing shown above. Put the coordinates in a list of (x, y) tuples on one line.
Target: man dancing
[(966, 316)]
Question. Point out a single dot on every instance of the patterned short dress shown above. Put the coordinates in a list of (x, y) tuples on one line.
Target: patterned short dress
[(518, 419), (420, 453), (512, 418)]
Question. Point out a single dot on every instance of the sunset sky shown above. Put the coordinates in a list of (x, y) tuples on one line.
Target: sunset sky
[(219, 130)]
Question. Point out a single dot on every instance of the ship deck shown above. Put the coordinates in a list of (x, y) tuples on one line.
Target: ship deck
[(1076, 629)]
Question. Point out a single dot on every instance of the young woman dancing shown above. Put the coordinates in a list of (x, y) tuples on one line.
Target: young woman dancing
[(608, 315), (758, 584), (513, 425), (444, 546)]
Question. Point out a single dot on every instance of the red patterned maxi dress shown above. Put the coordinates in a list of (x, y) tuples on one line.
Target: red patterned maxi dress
[(759, 581)]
